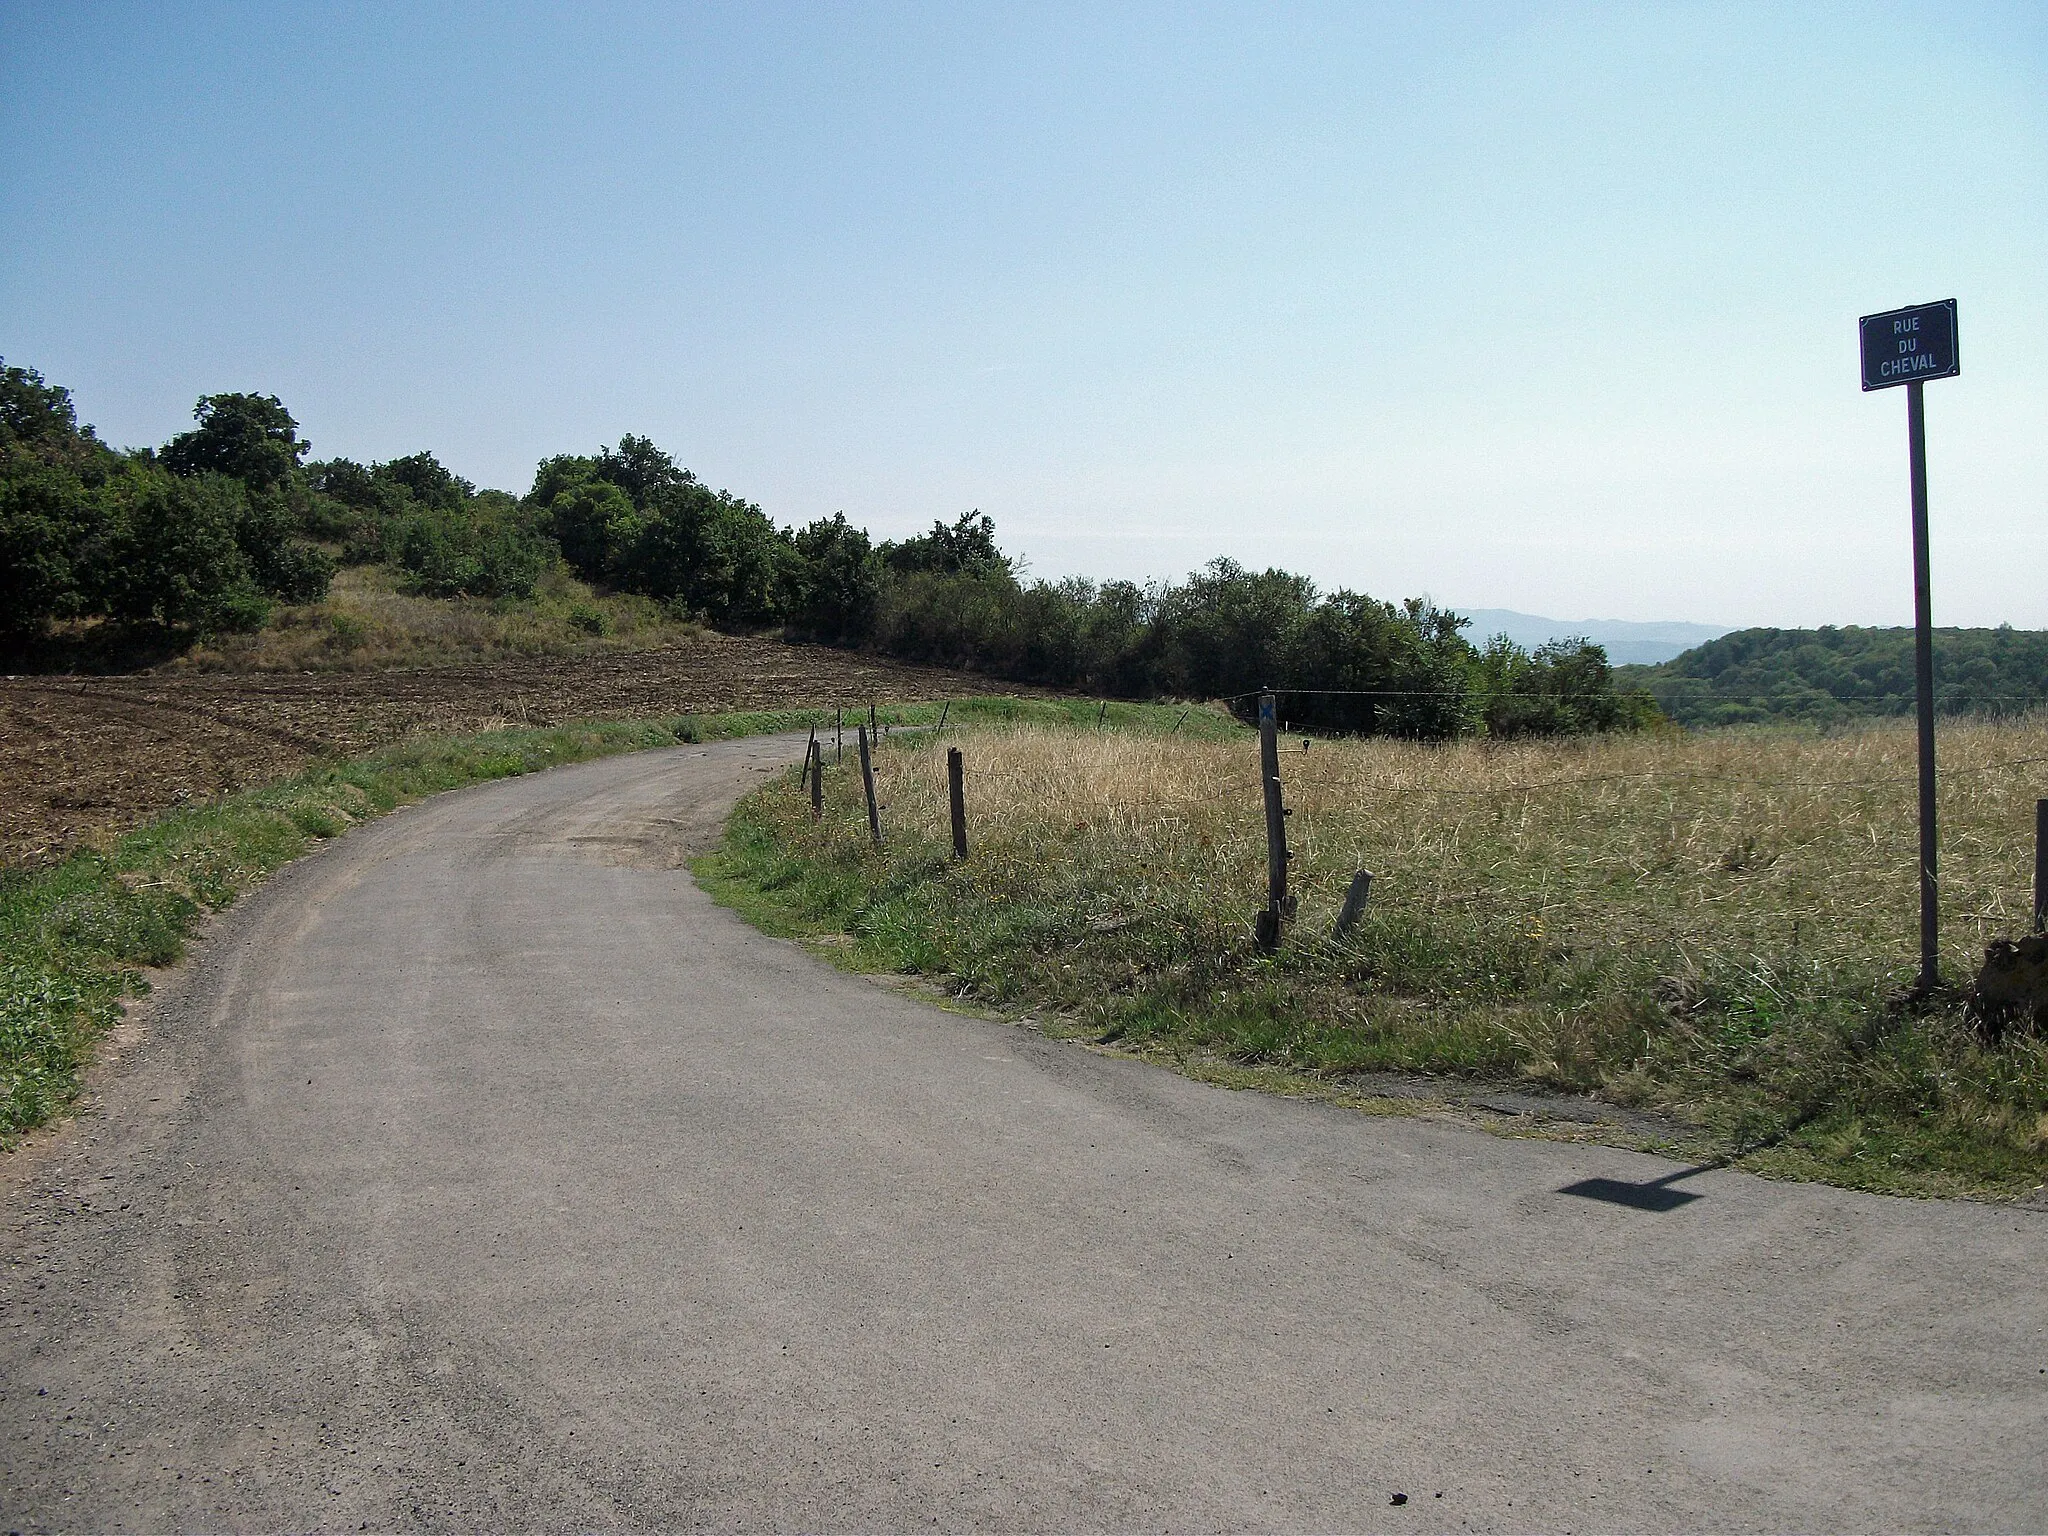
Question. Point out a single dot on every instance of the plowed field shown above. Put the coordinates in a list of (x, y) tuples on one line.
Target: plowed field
[(81, 757)]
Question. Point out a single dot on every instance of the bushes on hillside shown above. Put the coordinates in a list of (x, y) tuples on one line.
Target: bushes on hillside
[(632, 518), (203, 535), (199, 539), (445, 537)]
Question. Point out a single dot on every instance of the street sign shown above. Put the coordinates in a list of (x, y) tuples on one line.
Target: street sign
[(1909, 347), (1905, 346)]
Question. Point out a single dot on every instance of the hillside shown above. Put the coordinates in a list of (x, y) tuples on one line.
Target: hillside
[(228, 548), (1829, 676), (1624, 640)]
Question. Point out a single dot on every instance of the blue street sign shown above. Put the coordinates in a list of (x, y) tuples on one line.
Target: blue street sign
[(1905, 346)]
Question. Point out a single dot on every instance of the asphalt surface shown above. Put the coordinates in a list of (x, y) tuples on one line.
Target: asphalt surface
[(480, 1173)]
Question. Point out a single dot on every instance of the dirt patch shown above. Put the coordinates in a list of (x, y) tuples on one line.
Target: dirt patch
[(85, 757)]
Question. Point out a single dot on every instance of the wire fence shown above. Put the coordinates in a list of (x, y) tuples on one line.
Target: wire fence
[(1903, 696), (1333, 783), (1255, 784)]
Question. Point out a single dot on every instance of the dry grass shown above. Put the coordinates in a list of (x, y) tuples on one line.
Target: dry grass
[(368, 624), (1715, 925), (1734, 843)]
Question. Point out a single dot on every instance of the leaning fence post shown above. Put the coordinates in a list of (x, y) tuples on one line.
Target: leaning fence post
[(867, 779), (1276, 826), (810, 752), (817, 781), (942, 716), (1354, 902), (956, 787), (2040, 864)]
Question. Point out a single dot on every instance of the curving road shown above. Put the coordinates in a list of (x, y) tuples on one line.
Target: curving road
[(481, 1173)]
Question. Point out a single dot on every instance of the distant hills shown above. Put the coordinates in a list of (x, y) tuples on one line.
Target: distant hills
[(1831, 676), (1625, 642)]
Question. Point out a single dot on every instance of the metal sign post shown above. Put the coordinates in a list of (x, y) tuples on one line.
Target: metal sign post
[(1909, 347)]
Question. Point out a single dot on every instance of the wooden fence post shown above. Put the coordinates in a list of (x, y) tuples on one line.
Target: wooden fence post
[(867, 779), (1276, 826), (810, 751), (943, 708), (2040, 864), (838, 736), (956, 775), (817, 781), (1354, 903)]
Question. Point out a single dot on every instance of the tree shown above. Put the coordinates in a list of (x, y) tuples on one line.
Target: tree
[(581, 515), (965, 547), (1229, 631), (642, 471), (565, 471), (50, 470), (832, 582), (1561, 688), (426, 480), (282, 564), (47, 520), (168, 557), (1378, 669), (345, 481), (250, 438), (705, 551), (38, 423)]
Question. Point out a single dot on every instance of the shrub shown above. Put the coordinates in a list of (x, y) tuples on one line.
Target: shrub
[(1563, 688), (168, 555), (832, 582), (446, 554), (282, 564), (47, 519)]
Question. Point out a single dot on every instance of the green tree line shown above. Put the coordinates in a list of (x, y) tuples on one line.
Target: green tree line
[(205, 533), (201, 536), (1831, 676)]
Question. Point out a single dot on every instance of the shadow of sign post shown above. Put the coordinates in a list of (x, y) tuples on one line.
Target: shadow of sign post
[(1655, 1195)]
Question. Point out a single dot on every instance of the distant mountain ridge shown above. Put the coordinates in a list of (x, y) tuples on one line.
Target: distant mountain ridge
[(1626, 641), (1831, 675)]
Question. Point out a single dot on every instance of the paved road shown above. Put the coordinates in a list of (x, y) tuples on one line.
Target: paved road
[(481, 1173)]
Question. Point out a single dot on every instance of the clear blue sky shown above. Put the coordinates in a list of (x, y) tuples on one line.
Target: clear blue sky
[(1543, 308)]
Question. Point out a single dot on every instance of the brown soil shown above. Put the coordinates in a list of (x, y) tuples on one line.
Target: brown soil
[(84, 757)]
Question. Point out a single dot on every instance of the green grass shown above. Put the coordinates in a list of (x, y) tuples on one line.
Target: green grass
[(1710, 928)]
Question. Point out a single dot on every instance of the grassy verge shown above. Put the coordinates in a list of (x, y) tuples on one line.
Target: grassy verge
[(1713, 927), (75, 938)]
